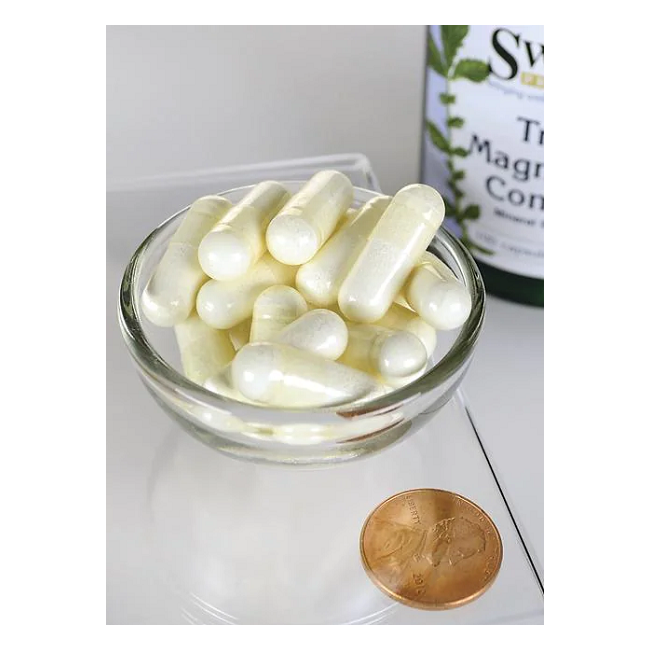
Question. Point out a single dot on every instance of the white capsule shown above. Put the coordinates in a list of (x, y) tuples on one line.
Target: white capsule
[(273, 310), (238, 241), (441, 268), (240, 334), (226, 304), (443, 303), (169, 296), (398, 382), (221, 383), (394, 246), (320, 279), (321, 332), (380, 351), (204, 350), (405, 319), (284, 376), (305, 223)]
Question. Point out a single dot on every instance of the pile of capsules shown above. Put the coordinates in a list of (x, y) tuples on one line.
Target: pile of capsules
[(300, 301)]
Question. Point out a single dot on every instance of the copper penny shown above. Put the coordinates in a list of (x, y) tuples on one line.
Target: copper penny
[(431, 549)]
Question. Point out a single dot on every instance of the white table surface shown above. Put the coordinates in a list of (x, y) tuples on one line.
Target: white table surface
[(501, 455), (505, 395)]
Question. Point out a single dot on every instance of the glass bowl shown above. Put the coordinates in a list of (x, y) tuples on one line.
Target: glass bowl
[(294, 436)]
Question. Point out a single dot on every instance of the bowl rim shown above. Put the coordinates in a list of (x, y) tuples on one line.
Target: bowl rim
[(155, 367)]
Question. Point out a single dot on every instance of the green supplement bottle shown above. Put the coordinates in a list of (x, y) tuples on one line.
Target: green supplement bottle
[(483, 146)]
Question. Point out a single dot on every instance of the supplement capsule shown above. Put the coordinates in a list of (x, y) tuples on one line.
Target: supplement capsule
[(238, 241), (443, 303), (240, 334), (321, 332), (402, 318), (168, 298), (441, 268), (204, 350), (225, 304), (273, 310), (320, 279), (377, 350), (221, 383), (398, 382), (393, 248), (305, 223), (281, 375)]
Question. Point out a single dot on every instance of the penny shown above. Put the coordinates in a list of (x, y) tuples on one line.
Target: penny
[(431, 549)]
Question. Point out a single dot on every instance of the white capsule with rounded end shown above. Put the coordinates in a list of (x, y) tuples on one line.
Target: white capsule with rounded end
[(320, 331), (436, 265), (380, 351), (393, 248), (440, 267), (399, 382), (306, 222), (238, 241), (225, 304), (220, 383), (240, 334), (283, 376), (169, 296), (320, 279), (204, 350), (273, 310), (402, 318), (401, 355), (443, 303)]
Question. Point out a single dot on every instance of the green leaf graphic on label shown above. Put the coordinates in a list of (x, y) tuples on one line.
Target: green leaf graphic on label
[(471, 212), (450, 210), (473, 246), (471, 69), (452, 38), (437, 138), (435, 58)]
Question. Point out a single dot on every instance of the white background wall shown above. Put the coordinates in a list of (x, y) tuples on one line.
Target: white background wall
[(183, 98)]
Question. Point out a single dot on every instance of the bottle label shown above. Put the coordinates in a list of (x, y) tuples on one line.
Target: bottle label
[(484, 139)]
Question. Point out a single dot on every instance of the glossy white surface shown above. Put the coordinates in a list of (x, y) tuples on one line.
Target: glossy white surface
[(226, 304), (170, 293), (444, 304), (237, 241), (306, 222), (383, 352), (204, 350), (319, 331), (284, 376), (392, 249), (319, 280), (402, 318), (274, 309)]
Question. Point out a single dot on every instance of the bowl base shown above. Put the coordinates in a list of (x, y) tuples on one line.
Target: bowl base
[(249, 543)]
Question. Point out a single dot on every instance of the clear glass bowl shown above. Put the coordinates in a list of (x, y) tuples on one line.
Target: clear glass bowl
[(294, 436)]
